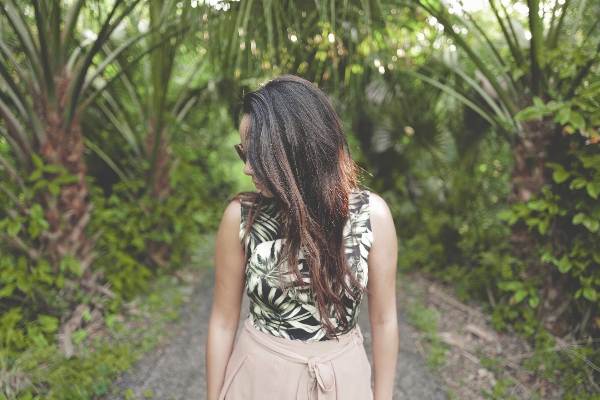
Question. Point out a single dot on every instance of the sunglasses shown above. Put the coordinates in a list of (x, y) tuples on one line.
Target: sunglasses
[(241, 152)]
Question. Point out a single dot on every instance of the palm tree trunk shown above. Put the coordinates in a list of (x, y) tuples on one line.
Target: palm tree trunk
[(69, 212)]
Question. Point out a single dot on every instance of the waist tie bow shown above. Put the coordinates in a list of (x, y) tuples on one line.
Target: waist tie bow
[(321, 378)]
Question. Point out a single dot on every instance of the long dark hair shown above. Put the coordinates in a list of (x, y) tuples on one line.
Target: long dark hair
[(298, 151)]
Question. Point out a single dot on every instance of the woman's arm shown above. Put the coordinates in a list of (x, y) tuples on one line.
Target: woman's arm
[(227, 302), (382, 297)]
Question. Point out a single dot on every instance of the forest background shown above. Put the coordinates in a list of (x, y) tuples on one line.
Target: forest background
[(477, 121)]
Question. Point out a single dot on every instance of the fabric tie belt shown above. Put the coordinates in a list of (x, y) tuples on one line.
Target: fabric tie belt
[(321, 377)]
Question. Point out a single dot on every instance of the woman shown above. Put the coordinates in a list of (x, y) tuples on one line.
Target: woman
[(305, 248)]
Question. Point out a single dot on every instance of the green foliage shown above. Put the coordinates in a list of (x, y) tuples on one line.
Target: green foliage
[(44, 372), (425, 320), (133, 222), (29, 283), (81, 377), (499, 390), (451, 228), (568, 215), (34, 294)]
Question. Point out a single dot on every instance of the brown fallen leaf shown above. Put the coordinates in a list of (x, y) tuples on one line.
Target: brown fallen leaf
[(480, 332), (453, 339)]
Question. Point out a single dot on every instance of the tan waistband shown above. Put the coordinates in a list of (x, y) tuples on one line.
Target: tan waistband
[(314, 354)]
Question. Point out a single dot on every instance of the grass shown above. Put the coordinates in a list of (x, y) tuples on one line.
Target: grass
[(425, 320)]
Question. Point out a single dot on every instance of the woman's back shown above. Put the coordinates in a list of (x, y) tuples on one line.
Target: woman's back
[(278, 309)]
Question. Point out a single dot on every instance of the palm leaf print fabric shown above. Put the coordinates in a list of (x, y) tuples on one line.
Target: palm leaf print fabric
[(276, 308)]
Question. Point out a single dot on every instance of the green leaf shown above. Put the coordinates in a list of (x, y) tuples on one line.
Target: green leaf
[(543, 226), (563, 115), (564, 265), (534, 301), (595, 118), (552, 105), (579, 218), (110, 320), (532, 222), (594, 226), (65, 179), (593, 189), (590, 162), (37, 161), (505, 215), (548, 257), (592, 90), (577, 121), (7, 290), (13, 228), (539, 103), (36, 211), (79, 336), (529, 113), (560, 175), (520, 295), (34, 229), (53, 169), (36, 337), (149, 394), (72, 264), (54, 188), (129, 395), (578, 183), (553, 165), (48, 324), (35, 175), (539, 205), (42, 183), (590, 294), (510, 286)]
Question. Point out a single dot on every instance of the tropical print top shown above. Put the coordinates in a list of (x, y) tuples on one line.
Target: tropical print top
[(292, 313)]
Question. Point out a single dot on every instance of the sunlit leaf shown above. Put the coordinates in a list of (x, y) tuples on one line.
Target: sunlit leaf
[(529, 113), (578, 183), (48, 324), (577, 121), (590, 294), (593, 189), (564, 265), (563, 115), (592, 90), (579, 218)]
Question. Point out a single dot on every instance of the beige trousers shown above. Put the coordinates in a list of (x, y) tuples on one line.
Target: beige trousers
[(264, 367)]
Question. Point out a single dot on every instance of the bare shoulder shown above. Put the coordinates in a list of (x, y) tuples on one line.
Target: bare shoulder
[(228, 234), (381, 216), (383, 257), (233, 213), (378, 206)]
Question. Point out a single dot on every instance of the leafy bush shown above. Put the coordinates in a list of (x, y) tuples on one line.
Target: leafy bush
[(37, 298), (143, 235)]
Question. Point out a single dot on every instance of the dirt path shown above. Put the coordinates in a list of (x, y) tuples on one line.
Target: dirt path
[(176, 370)]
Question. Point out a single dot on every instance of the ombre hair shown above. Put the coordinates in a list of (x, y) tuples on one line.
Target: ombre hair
[(297, 149)]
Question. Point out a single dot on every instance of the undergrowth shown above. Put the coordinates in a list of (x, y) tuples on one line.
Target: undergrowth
[(570, 366), (45, 373)]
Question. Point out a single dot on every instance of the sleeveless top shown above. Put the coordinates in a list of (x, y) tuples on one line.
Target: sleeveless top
[(292, 313)]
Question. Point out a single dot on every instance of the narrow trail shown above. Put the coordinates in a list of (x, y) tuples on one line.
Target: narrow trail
[(176, 370)]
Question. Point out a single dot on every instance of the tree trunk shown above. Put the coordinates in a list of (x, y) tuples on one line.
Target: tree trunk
[(69, 212)]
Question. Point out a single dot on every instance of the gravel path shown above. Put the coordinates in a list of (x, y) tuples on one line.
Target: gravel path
[(176, 370)]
